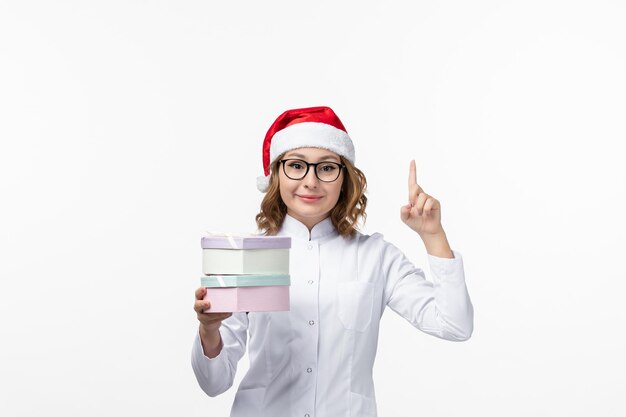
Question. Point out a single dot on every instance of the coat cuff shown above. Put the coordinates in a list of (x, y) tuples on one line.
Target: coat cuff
[(199, 350), (447, 268)]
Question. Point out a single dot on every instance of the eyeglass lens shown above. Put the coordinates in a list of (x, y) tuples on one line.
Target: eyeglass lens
[(297, 169)]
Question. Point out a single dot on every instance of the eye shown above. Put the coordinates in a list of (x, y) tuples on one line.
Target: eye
[(328, 167), (296, 164)]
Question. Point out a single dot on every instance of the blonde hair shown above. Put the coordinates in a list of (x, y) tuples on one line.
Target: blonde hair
[(345, 216)]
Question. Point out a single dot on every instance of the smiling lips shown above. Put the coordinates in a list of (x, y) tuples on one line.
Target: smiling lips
[(309, 198)]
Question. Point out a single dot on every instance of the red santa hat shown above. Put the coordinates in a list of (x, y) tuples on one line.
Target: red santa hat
[(315, 127)]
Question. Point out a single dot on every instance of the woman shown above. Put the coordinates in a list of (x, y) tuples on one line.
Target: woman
[(317, 359)]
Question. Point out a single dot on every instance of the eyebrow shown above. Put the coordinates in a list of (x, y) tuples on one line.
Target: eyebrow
[(333, 158)]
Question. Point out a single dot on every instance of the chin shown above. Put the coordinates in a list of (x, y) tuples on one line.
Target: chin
[(303, 213), (311, 214)]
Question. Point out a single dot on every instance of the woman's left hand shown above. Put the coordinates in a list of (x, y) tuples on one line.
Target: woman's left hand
[(423, 213)]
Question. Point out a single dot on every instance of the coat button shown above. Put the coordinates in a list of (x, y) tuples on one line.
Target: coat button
[(310, 282), (311, 322), (309, 370)]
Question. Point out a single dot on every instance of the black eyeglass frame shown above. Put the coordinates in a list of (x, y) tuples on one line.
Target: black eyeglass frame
[(309, 165)]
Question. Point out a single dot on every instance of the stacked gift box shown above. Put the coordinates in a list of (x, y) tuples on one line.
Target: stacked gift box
[(246, 273)]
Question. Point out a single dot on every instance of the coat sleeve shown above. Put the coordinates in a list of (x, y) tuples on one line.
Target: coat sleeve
[(216, 375), (442, 307)]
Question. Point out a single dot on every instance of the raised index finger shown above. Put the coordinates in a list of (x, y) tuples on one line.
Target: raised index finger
[(412, 174)]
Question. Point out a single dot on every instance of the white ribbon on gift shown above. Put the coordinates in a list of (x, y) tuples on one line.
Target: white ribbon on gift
[(232, 242)]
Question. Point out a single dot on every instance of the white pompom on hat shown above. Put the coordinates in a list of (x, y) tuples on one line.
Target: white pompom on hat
[(315, 127)]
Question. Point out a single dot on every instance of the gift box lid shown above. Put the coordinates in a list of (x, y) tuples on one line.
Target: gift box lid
[(250, 280), (245, 242)]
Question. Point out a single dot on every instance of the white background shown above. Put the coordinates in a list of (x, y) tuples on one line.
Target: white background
[(129, 128)]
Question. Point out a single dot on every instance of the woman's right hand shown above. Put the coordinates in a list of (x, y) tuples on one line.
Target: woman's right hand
[(209, 324)]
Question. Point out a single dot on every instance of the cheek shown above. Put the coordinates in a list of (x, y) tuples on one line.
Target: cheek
[(336, 192), (284, 188), (282, 191)]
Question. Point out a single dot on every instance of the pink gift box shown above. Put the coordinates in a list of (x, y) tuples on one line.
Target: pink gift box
[(237, 299)]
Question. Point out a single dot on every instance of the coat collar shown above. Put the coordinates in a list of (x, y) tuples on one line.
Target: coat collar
[(322, 230)]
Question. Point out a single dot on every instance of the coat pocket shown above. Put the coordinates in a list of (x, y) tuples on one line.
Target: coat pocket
[(361, 406), (355, 301), (249, 399)]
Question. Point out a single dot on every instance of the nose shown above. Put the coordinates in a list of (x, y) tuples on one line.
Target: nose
[(310, 180)]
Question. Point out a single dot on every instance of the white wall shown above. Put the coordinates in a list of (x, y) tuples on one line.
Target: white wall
[(128, 128)]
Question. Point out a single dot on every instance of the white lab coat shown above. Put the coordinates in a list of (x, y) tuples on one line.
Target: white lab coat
[(317, 358)]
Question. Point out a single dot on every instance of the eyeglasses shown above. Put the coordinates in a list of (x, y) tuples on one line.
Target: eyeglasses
[(296, 169)]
